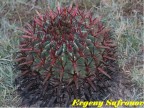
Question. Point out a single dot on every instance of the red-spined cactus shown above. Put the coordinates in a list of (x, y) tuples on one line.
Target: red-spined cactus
[(61, 52)]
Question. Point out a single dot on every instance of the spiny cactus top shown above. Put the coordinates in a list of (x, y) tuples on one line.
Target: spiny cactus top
[(65, 46)]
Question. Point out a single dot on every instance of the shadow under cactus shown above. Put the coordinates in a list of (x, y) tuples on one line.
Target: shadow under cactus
[(54, 93)]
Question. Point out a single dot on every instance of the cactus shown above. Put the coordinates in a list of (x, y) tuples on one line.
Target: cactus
[(61, 52)]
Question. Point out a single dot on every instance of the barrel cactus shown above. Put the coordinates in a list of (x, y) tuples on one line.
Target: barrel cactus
[(61, 52)]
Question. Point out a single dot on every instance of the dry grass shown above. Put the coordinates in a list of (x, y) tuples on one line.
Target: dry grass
[(125, 17)]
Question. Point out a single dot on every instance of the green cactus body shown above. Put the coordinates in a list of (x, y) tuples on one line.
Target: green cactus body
[(64, 47)]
